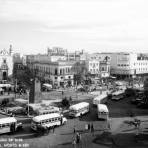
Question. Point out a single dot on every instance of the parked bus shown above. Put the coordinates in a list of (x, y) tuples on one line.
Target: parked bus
[(49, 110), (103, 112), (48, 120), (9, 124), (79, 109), (101, 99)]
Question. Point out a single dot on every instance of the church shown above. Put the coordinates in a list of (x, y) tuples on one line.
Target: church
[(6, 64)]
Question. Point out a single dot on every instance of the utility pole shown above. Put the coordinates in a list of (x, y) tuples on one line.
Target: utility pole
[(28, 92)]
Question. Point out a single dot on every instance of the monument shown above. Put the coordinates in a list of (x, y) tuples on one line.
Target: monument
[(35, 92)]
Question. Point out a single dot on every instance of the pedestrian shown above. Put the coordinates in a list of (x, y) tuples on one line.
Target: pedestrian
[(77, 138), (53, 128), (92, 129), (88, 126), (74, 129), (74, 142), (108, 124)]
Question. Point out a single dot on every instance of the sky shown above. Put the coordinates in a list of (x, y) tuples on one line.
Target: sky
[(93, 25)]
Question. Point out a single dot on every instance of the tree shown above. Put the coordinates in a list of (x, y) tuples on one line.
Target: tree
[(23, 75), (80, 70), (65, 102)]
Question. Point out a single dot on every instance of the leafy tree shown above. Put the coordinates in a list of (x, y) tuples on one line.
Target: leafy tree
[(80, 70), (23, 75), (65, 102)]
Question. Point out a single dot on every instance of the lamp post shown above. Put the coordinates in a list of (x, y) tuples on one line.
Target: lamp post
[(28, 92)]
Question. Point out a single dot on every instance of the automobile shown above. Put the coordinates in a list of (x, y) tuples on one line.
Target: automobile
[(136, 101), (143, 105)]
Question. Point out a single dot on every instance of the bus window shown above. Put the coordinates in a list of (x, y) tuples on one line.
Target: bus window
[(47, 121), (7, 125), (3, 125)]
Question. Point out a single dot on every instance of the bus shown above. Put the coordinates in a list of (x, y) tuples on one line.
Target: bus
[(9, 124), (103, 112), (48, 120), (78, 109), (101, 99), (48, 111)]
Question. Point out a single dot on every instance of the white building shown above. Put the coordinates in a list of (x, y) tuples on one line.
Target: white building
[(99, 64), (129, 64), (6, 63)]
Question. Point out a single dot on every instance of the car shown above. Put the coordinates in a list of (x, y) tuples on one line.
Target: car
[(143, 105), (136, 101)]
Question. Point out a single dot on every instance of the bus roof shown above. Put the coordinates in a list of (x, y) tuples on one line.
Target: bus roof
[(7, 120), (48, 109), (100, 97), (44, 117), (102, 108), (79, 106)]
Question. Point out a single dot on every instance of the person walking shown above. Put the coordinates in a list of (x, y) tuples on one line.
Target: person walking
[(92, 129), (74, 142), (86, 127), (89, 127), (77, 137), (53, 129), (74, 129)]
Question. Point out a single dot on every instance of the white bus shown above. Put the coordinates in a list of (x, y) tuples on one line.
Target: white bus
[(9, 124), (103, 112), (79, 109), (48, 120), (101, 99), (48, 110)]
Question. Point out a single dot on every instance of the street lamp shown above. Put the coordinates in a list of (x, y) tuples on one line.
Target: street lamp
[(28, 92)]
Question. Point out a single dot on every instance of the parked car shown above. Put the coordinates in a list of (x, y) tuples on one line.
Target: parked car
[(142, 105), (136, 101), (116, 98)]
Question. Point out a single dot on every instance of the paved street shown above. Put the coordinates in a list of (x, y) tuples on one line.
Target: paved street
[(120, 135)]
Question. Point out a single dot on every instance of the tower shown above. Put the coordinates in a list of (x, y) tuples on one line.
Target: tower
[(10, 49)]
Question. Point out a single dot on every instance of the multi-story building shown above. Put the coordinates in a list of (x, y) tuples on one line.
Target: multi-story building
[(128, 64), (6, 63), (99, 64), (58, 73)]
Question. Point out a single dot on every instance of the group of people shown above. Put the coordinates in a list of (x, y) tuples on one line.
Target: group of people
[(45, 130), (76, 138), (77, 135), (89, 127)]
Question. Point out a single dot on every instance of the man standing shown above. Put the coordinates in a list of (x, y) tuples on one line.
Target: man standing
[(92, 129)]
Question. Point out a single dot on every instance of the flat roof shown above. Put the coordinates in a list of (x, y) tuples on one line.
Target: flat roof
[(7, 120), (100, 97), (44, 117), (79, 106), (102, 108)]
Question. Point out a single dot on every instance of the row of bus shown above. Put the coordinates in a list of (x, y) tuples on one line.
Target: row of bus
[(52, 119)]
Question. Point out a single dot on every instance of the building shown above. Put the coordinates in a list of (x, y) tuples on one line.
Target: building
[(128, 64), (6, 63), (99, 64), (58, 73)]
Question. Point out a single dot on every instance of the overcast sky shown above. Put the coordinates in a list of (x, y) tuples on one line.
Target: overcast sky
[(94, 25)]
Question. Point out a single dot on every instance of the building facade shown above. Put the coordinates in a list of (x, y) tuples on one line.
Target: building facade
[(58, 73), (6, 63), (129, 64), (99, 64)]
